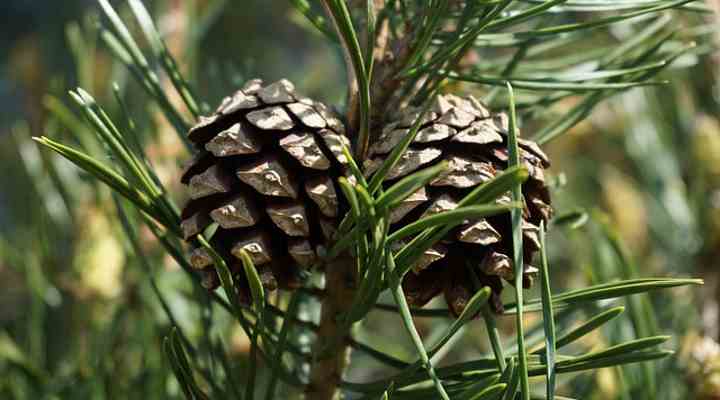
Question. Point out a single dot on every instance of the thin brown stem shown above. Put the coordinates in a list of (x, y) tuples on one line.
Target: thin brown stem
[(333, 344), (391, 56), (332, 351)]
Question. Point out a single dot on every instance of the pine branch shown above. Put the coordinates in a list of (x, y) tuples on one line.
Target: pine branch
[(400, 54), (332, 352)]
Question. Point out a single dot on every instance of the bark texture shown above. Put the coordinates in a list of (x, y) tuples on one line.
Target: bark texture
[(332, 350)]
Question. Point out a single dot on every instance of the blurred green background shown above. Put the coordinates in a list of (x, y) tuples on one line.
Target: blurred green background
[(78, 318)]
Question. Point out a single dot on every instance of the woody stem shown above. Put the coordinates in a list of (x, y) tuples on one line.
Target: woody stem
[(331, 354)]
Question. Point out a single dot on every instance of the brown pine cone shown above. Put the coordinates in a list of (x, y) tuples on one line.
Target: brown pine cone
[(473, 141), (265, 173)]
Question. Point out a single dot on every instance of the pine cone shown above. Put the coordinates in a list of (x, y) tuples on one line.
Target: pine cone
[(265, 172), (474, 143)]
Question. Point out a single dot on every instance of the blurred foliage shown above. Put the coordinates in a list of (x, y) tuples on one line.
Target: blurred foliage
[(79, 303)]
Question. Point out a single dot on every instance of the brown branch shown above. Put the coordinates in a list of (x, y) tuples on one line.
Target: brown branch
[(391, 56), (332, 350), (332, 346)]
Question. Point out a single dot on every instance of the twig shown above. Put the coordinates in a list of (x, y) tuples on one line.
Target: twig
[(332, 352)]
